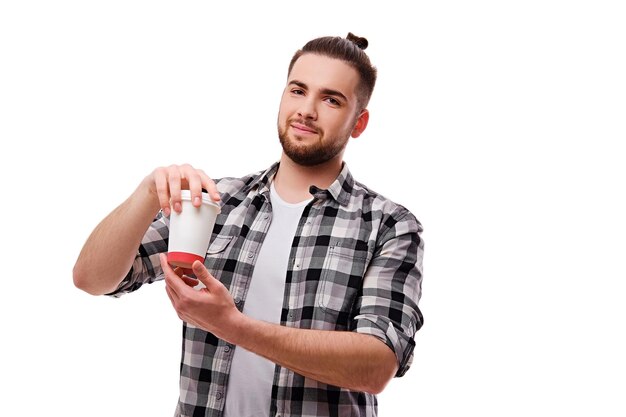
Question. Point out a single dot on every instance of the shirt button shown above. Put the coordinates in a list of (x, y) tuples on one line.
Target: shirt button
[(237, 300), (219, 395), (251, 255), (226, 348)]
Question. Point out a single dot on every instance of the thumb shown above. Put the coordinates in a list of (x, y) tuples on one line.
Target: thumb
[(204, 275)]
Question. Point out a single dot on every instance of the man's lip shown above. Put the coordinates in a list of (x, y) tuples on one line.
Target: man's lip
[(302, 127)]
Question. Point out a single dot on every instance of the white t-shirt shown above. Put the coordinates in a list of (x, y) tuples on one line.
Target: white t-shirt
[(251, 376)]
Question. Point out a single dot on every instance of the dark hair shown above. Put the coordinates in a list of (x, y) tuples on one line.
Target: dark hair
[(350, 50)]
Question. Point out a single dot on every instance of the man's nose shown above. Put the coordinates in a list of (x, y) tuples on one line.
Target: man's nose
[(307, 109)]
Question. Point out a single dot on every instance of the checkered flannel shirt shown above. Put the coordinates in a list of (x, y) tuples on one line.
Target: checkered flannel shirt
[(355, 265)]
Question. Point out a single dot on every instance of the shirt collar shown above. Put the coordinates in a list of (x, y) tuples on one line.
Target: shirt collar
[(263, 180), (340, 190)]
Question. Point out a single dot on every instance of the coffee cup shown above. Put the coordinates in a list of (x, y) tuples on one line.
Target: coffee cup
[(190, 230)]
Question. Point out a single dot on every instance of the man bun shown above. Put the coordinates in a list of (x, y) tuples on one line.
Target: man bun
[(358, 41)]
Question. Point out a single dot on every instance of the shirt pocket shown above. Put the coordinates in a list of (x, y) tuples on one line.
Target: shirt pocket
[(341, 279), (218, 245)]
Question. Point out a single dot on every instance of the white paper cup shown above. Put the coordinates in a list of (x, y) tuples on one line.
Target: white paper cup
[(190, 230)]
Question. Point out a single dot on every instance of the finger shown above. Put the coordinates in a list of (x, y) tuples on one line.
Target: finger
[(160, 183), (183, 274), (195, 184), (204, 276), (192, 282), (164, 264), (180, 271), (174, 182), (173, 300), (170, 295), (209, 185), (171, 279)]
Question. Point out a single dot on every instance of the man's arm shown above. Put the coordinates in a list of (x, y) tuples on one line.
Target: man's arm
[(346, 359), (110, 250)]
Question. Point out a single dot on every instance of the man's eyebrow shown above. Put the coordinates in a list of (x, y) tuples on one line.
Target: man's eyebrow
[(299, 84), (325, 91)]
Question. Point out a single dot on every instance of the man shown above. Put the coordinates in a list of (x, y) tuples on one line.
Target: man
[(311, 280)]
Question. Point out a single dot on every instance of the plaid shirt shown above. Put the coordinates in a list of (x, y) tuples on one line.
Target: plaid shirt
[(355, 265)]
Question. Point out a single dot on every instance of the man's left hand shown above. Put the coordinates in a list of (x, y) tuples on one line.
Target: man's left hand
[(211, 308)]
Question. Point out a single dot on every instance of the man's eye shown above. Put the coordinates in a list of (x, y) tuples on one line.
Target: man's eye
[(333, 101), (297, 91)]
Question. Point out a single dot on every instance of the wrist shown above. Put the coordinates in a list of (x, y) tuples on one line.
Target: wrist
[(239, 329), (146, 194)]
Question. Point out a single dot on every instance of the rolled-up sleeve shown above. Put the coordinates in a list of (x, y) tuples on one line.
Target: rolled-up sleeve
[(146, 267), (392, 285)]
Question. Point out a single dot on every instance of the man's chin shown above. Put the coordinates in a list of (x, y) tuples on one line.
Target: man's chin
[(301, 151), (300, 159)]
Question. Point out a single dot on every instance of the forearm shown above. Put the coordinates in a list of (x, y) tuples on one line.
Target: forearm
[(110, 250), (346, 359)]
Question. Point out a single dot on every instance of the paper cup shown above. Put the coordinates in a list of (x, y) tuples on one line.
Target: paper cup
[(190, 230)]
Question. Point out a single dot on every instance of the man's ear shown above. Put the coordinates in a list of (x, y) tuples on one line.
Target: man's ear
[(361, 123)]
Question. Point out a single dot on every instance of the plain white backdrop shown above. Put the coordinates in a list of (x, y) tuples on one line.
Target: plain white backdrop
[(499, 124)]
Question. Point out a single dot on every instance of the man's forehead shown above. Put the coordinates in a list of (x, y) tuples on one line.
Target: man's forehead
[(322, 72)]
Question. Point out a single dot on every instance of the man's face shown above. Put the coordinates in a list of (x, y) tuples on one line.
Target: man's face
[(318, 109)]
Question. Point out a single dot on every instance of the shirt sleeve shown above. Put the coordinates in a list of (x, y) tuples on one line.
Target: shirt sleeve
[(392, 286), (146, 268)]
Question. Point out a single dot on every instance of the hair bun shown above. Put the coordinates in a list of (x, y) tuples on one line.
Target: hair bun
[(358, 41)]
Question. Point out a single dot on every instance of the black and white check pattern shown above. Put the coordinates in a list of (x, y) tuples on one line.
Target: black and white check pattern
[(355, 265)]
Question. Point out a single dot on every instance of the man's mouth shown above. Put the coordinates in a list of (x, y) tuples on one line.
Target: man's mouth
[(302, 128)]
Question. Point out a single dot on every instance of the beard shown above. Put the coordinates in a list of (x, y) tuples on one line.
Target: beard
[(314, 153)]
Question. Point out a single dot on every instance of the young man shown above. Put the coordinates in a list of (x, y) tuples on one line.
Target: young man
[(311, 279)]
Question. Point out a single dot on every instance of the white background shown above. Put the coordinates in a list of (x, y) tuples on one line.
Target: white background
[(499, 124)]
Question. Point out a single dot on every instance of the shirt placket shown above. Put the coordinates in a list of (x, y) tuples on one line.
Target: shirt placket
[(250, 250), (295, 297), (248, 254)]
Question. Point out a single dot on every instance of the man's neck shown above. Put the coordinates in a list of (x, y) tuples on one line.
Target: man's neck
[(292, 181)]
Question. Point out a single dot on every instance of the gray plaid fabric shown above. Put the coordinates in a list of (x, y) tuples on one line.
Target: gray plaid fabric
[(355, 265)]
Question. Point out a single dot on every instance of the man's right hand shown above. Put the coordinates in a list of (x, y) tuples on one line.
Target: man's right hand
[(110, 250), (167, 182)]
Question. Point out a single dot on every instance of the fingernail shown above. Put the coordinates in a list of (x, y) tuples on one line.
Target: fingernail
[(196, 201), (177, 207)]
